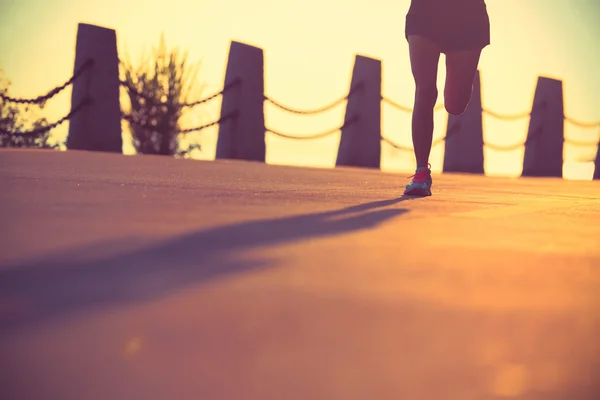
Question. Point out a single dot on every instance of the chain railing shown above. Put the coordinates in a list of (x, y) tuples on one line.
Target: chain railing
[(318, 135), (319, 110), (583, 125), (330, 106), (452, 130), (133, 91), (144, 125), (507, 117), (41, 101)]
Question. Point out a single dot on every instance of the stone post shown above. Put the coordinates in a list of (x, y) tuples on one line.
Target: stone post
[(597, 164), (360, 142), (544, 147), (242, 131), (97, 125)]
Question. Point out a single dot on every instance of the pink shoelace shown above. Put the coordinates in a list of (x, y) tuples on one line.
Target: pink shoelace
[(421, 175)]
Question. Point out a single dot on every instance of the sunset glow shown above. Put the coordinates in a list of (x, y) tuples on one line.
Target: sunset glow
[(309, 51)]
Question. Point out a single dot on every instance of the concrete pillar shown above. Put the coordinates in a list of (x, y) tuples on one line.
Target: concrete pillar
[(597, 164), (464, 136), (96, 126), (360, 142), (243, 137), (544, 147)]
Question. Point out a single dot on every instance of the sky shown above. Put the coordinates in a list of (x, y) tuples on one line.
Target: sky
[(309, 49)]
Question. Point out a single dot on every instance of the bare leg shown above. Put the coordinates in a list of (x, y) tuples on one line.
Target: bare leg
[(461, 67), (424, 59)]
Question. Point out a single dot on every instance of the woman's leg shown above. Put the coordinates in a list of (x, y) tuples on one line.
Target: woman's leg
[(424, 59), (461, 67)]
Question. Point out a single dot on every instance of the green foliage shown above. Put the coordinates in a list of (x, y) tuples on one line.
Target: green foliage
[(165, 80), (19, 118)]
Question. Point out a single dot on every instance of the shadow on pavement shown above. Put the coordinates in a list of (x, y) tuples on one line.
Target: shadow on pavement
[(58, 285)]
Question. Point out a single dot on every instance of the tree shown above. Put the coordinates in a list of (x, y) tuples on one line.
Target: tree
[(158, 88), (16, 119)]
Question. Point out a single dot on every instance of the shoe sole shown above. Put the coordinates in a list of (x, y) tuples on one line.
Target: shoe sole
[(418, 192)]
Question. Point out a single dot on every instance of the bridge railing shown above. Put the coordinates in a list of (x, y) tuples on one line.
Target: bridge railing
[(96, 114)]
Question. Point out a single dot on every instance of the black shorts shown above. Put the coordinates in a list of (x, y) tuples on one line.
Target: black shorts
[(455, 25)]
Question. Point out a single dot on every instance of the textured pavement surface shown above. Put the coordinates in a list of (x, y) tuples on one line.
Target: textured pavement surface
[(154, 278)]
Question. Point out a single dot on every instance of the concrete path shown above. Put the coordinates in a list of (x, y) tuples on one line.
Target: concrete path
[(153, 278)]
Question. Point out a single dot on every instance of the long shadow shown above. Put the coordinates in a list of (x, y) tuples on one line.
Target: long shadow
[(58, 285)]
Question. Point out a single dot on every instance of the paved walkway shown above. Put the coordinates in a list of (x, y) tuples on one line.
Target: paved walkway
[(154, 278)]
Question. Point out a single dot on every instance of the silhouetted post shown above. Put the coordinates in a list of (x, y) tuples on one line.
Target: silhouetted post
[(360, 142), (464, 136), (597, 164), (97, 125), (544, 147), (243, 136)]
